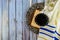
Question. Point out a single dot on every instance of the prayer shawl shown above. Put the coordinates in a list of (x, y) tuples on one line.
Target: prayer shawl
[(52, 30)]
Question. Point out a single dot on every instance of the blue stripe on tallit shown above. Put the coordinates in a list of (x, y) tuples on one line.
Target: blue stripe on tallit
[(46, 34), (47, 30), (56, 38), (57, 33), (51, 26)]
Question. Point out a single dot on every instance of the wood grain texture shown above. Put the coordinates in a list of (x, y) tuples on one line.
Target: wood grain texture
[(4, 20), (13, 20), (26, 4), (0, 17), (19, 19)]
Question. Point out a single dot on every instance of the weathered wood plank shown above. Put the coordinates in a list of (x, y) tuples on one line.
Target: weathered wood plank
[(40, 1), (12, 20), (0, 17), (31, 2), (19, 18), (5, 20), (34, 1), (26, 4)]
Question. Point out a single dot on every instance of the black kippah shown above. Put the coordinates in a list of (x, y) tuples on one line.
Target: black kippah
[(41, 19)]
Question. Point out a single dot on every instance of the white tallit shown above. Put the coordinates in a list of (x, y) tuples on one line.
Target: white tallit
[(51, 32)]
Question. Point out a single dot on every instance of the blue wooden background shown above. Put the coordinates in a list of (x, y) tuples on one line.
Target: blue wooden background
[(13, 21)]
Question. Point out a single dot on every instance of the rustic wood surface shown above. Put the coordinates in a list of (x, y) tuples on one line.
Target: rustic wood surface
[(13, 21)]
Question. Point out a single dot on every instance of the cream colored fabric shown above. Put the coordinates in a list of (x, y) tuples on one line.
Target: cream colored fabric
[(54, 20)]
